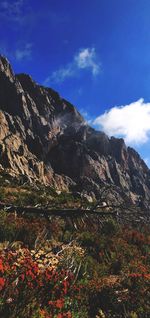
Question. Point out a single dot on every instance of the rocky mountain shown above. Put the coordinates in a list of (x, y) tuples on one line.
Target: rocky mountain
[(43, 137)]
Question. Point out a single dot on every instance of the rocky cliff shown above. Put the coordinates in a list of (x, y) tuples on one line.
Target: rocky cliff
[(43, 137)]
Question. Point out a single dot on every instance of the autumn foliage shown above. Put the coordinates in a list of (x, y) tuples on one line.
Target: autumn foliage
[(71, 273)]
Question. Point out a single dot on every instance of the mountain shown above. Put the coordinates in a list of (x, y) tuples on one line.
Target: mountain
[(44, 138)]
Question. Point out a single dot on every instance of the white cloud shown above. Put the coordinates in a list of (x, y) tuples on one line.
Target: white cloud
[(24, 53), (84, 59), (132, 122)]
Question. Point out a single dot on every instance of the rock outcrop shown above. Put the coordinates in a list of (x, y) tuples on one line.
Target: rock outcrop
[(43, 137)]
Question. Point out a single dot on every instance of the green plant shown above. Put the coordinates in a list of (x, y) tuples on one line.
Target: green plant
[(2, 194), (109, 227)]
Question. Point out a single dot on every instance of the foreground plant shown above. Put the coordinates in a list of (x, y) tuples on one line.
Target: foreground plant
[(24, 285)]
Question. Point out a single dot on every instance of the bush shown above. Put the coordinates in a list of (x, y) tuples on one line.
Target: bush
[(24, 288), (109, 227), (2, 194)]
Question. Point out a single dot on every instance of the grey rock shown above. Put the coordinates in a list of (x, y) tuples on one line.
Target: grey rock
[(44, 137)]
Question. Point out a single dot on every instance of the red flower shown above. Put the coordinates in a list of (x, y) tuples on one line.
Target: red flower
[(69, 315), (1, 266), (2, 283), (65, 315), (22, 277), (147, 276), (65, 285), (135, 275), (59, 303), (60, 315)]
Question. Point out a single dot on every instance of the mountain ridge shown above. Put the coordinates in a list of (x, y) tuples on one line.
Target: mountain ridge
[(43, 137)]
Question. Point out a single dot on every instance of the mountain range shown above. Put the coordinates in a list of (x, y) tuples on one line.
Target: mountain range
[(43, 138)]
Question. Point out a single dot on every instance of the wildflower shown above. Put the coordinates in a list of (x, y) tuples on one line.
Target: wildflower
[(59, 303), (50, 302), (2, 283), (147, 276), (135, 275), (65, 285), (69, 315), (1, 266), (22, 277)]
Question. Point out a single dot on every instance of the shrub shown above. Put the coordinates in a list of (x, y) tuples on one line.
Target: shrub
[(24, 288), (109, 227)]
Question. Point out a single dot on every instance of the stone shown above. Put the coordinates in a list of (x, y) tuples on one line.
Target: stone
[(44, 138)]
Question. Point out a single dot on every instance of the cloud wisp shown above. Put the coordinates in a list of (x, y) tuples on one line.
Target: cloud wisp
[(24, 53), (20, 53), (86, 116), (85, 59), (12, 10), (132, 122)]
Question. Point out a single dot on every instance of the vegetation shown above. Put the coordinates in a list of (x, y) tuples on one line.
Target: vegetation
[(12, 192), (48, 270)]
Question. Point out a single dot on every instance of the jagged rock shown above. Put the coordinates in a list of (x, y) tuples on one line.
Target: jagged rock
[(43, 137)]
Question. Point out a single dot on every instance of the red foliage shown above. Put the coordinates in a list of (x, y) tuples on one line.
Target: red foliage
[(23, 279)]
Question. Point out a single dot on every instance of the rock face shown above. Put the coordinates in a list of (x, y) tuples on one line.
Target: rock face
[(43, 137)]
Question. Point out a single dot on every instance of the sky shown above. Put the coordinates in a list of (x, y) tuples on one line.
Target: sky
[(95, 53)]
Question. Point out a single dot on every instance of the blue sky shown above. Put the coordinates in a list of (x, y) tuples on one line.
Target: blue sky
[(94, 53)]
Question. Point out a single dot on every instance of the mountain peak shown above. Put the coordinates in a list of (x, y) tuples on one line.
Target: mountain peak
[(43, 137), (5, 67)]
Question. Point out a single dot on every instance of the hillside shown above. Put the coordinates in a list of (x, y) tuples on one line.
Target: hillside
[(43, 138), (74, 211)]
